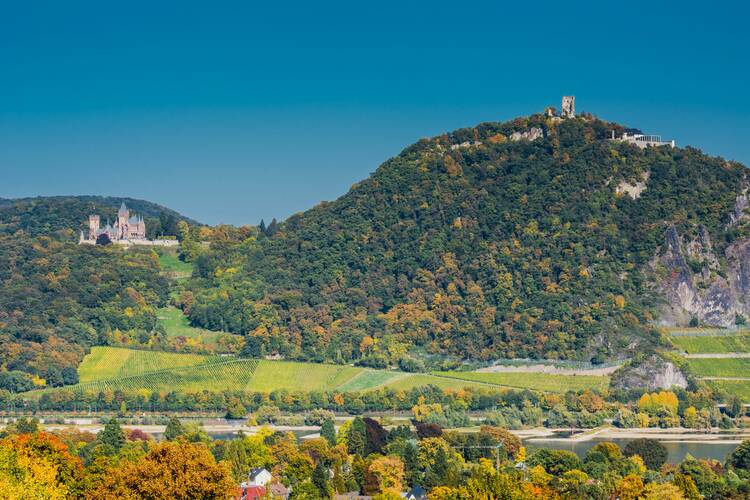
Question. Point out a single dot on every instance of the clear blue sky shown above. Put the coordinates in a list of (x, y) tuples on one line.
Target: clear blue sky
[(233, 112)]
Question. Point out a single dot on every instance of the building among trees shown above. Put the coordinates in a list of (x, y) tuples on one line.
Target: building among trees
[(127, 230)]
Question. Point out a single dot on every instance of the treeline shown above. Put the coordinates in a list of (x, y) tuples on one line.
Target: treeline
[(514, 409), (59, 298), (496, 249)]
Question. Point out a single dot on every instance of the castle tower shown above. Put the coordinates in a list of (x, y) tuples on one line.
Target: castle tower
[(93, 226), (122, 222), (568, 106)]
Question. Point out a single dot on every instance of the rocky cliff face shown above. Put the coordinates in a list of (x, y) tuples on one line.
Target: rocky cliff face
[(699, 281), (652, 373)]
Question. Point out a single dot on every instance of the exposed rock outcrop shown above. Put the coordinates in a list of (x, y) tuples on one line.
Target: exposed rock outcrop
[(532, 134), (633, 190), (695, 284), (741, 206), (652, 373)]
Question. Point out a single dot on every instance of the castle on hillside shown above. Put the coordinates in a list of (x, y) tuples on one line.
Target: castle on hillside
[(568, 110), (126, 230)]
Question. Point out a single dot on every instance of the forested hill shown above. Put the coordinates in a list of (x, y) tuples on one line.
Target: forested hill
[(64, 216), (478, 243)]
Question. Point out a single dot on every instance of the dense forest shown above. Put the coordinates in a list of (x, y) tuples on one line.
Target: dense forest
[(479, 243), (59, 298), (64, 216)]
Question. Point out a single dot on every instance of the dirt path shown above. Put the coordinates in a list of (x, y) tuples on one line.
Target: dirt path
[(725, 378)]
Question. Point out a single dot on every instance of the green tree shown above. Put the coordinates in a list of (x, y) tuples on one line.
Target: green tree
[(112, 435), (174, 429), (357, 439), (236, 410), (740, 458), (328, 431), (653, 453), (322, 480)]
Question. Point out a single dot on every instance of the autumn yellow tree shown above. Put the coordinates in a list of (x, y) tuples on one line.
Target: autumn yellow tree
[(38, 466), (390, 473), (170, 470)]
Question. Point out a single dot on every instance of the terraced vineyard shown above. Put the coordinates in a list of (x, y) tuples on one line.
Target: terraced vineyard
[(537, 381), (712, 344), (113, 368), (235, 375), (714, 355), (112, 362), (721, 367)]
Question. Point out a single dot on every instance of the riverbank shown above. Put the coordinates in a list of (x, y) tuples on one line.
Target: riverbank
[(675, 434)]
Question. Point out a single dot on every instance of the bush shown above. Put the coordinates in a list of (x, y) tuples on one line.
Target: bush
[(235, 411), (555, 462), (318, 416), (267, 414), (653, 453)]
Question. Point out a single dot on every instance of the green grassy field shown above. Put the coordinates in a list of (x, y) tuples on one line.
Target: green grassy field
[(176, 324), (537, 381), (720, 367), (172, 266)]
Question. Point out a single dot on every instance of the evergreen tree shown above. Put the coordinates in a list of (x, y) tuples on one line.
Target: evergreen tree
[(112, 435), (322, 480), (357, 444), (328, 431), (174, 429), (735, 408), (273, 227)]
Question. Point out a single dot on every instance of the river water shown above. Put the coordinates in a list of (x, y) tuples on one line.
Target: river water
[(677, 449)]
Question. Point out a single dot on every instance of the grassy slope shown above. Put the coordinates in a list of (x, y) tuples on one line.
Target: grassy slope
[(176, 324), (172, 266)]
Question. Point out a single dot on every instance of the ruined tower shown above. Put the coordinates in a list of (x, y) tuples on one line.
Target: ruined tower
[(93, 226), (568, 106)]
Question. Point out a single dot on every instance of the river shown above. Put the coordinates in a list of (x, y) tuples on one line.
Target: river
[(677, 449)]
